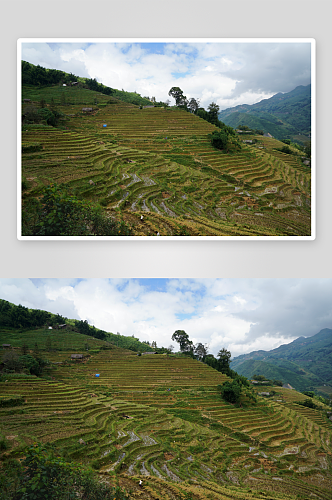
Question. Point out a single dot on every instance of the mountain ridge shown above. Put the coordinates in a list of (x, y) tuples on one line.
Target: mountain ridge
[(284, 115), (309, 358)]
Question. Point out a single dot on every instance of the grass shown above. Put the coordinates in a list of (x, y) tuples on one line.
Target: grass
[(160, 418), (159, 162)]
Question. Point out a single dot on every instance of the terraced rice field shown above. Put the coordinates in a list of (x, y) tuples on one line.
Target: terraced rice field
[(160, 163), (160, 419)]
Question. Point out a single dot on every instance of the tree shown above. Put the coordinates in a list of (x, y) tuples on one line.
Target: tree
[(219, 139), (12, 361), (224, 358), (186, 345), (193, 105), (213, 110), (200, 350), (177, 94), (230, 391)]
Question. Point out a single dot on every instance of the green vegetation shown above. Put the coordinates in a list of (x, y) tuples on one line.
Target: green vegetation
[(284, 116), (158, 419), (43, 473), (103, 151), (60, 213), (305, 363)]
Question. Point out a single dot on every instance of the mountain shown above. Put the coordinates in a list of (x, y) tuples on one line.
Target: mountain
[(155, 425), (124, 158), (305, 363), (284, 116)]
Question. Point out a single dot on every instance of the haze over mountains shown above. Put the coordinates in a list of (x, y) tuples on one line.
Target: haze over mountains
[(305, 363), (284, 116)]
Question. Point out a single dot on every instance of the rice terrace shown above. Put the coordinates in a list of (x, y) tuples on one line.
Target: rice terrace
[(150, 423), (144, 168)]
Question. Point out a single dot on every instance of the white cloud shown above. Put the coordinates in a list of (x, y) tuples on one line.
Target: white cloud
[(226, 73), (241, 315)]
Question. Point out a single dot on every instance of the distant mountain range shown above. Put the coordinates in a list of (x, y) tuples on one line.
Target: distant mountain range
[(284, 116), (305, 363)]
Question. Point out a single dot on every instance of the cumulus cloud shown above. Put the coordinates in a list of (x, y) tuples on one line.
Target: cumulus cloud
[(226, 73), (240, 314)]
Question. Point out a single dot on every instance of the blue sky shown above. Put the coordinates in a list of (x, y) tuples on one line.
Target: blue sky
[(228, 73), (240, 314)]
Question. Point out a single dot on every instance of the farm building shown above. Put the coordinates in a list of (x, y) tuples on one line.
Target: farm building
[(87, 110), (78, 357), (6, 346)]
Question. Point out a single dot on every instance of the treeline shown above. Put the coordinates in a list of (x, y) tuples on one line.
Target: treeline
[(37, 75), (13, 316), (221, 139), (86, 329), (92, 84)]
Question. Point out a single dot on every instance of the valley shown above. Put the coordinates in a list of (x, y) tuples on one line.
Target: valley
[(160, 419), (159, 163)]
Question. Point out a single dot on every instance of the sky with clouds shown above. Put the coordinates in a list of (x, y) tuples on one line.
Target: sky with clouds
[(228, 73), (240, 314)]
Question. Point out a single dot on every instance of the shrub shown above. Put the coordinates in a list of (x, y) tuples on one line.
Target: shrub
[(60, 213), (31, 147), (308, 403), (11, 401), (44, 474), (219, 139), (230, 391)]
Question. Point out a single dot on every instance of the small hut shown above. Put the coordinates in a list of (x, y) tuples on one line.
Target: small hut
[(77, 357), (6, 346)]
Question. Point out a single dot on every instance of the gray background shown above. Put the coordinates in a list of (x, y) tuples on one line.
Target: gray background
[(174, 18)]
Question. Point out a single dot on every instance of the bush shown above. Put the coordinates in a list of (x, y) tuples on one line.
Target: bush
[(219, 139), (44, 474), (230, 391), (60, 213), (31, 147), (308, 403), (11, 401)]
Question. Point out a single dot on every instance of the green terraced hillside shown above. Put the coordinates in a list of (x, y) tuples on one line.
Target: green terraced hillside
[(160, 418), (159, 163)]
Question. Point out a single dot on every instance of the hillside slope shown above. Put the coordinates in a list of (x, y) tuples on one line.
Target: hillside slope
[(160, 162), (304, 363), (161, 419), (284, 116)]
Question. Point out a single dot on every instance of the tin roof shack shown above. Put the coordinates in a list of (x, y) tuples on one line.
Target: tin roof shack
[(6, 346), (77, 357)]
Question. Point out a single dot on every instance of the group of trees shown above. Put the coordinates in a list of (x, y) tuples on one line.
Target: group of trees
[(49, 116), (86, 329), (200, 352), (21, 317), (231, 390), (92, 84), (26, 362), (219, 139), (37, 75), (59, 212)]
